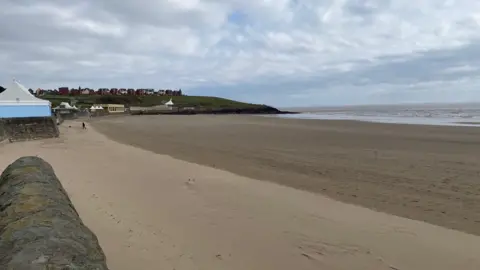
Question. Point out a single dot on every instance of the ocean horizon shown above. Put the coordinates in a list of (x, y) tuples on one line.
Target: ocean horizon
[(444, 114)]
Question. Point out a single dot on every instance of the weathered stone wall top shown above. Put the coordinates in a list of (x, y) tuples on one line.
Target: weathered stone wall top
[(39, 226)]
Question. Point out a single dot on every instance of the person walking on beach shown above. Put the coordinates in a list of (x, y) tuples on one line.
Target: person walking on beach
[(83, 125)]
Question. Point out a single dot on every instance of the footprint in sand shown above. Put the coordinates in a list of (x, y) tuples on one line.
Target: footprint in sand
[(190, 183)]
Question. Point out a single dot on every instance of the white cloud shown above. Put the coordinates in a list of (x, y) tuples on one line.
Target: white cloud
[(272, 51)]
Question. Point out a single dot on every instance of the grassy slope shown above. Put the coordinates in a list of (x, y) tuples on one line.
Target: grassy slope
[(184, 101)]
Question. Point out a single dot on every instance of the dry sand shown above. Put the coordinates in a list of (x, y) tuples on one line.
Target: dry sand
[(151, 211)]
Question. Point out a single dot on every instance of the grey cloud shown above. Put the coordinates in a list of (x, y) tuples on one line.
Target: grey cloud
[(366, 7), (427, 66), (388, 79), (156, 44), (156, 13)]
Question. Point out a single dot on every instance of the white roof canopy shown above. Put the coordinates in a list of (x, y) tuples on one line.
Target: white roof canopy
[(65, 105), (169, 103), (17, 94)]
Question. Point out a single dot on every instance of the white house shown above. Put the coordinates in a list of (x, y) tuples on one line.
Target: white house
[(17, 102)]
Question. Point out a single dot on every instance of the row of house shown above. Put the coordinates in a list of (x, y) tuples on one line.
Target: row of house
[(106, 91)]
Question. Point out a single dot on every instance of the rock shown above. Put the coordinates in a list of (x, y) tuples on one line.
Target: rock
[(39, 226)]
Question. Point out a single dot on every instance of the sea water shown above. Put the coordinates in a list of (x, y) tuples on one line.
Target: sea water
[(466, 114)]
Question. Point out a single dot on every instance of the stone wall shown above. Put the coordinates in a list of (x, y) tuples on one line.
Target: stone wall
[(30, 128), (59, 119), (39, 226), (3, 132)]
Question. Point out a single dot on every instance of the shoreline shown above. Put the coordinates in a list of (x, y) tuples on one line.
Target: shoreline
[(167, 213), (224, 111), (422, 121), (427, 173), (469, 123)]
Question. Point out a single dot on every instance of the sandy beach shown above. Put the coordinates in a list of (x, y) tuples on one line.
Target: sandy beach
[(152, 211), (427, 173)]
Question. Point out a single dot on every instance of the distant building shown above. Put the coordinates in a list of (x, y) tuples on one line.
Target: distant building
[(112, 108), (150, 91), (66, 111), (63, 91), (65, 107)]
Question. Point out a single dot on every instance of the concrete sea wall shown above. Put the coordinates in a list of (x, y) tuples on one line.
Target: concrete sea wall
[(39, 226), (30, 128)]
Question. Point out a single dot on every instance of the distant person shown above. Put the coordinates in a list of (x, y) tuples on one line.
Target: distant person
[(84, 126)]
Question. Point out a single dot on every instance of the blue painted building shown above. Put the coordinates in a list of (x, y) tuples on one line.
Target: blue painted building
[(17, 102)]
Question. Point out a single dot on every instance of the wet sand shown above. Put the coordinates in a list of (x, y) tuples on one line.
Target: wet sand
[(468, 123), (427, 173), (151, 211)]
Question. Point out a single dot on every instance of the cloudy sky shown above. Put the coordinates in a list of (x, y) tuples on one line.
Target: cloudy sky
[(278, 52)]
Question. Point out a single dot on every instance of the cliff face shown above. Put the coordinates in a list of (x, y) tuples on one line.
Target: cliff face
[(39, 226)]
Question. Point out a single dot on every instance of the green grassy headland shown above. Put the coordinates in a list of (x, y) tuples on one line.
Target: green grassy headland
[(147, 101)]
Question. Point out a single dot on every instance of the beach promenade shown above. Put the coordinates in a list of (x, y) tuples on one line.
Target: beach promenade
[(152, 211)]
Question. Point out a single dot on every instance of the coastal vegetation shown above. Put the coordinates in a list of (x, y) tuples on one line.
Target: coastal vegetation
[(202, 103)]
